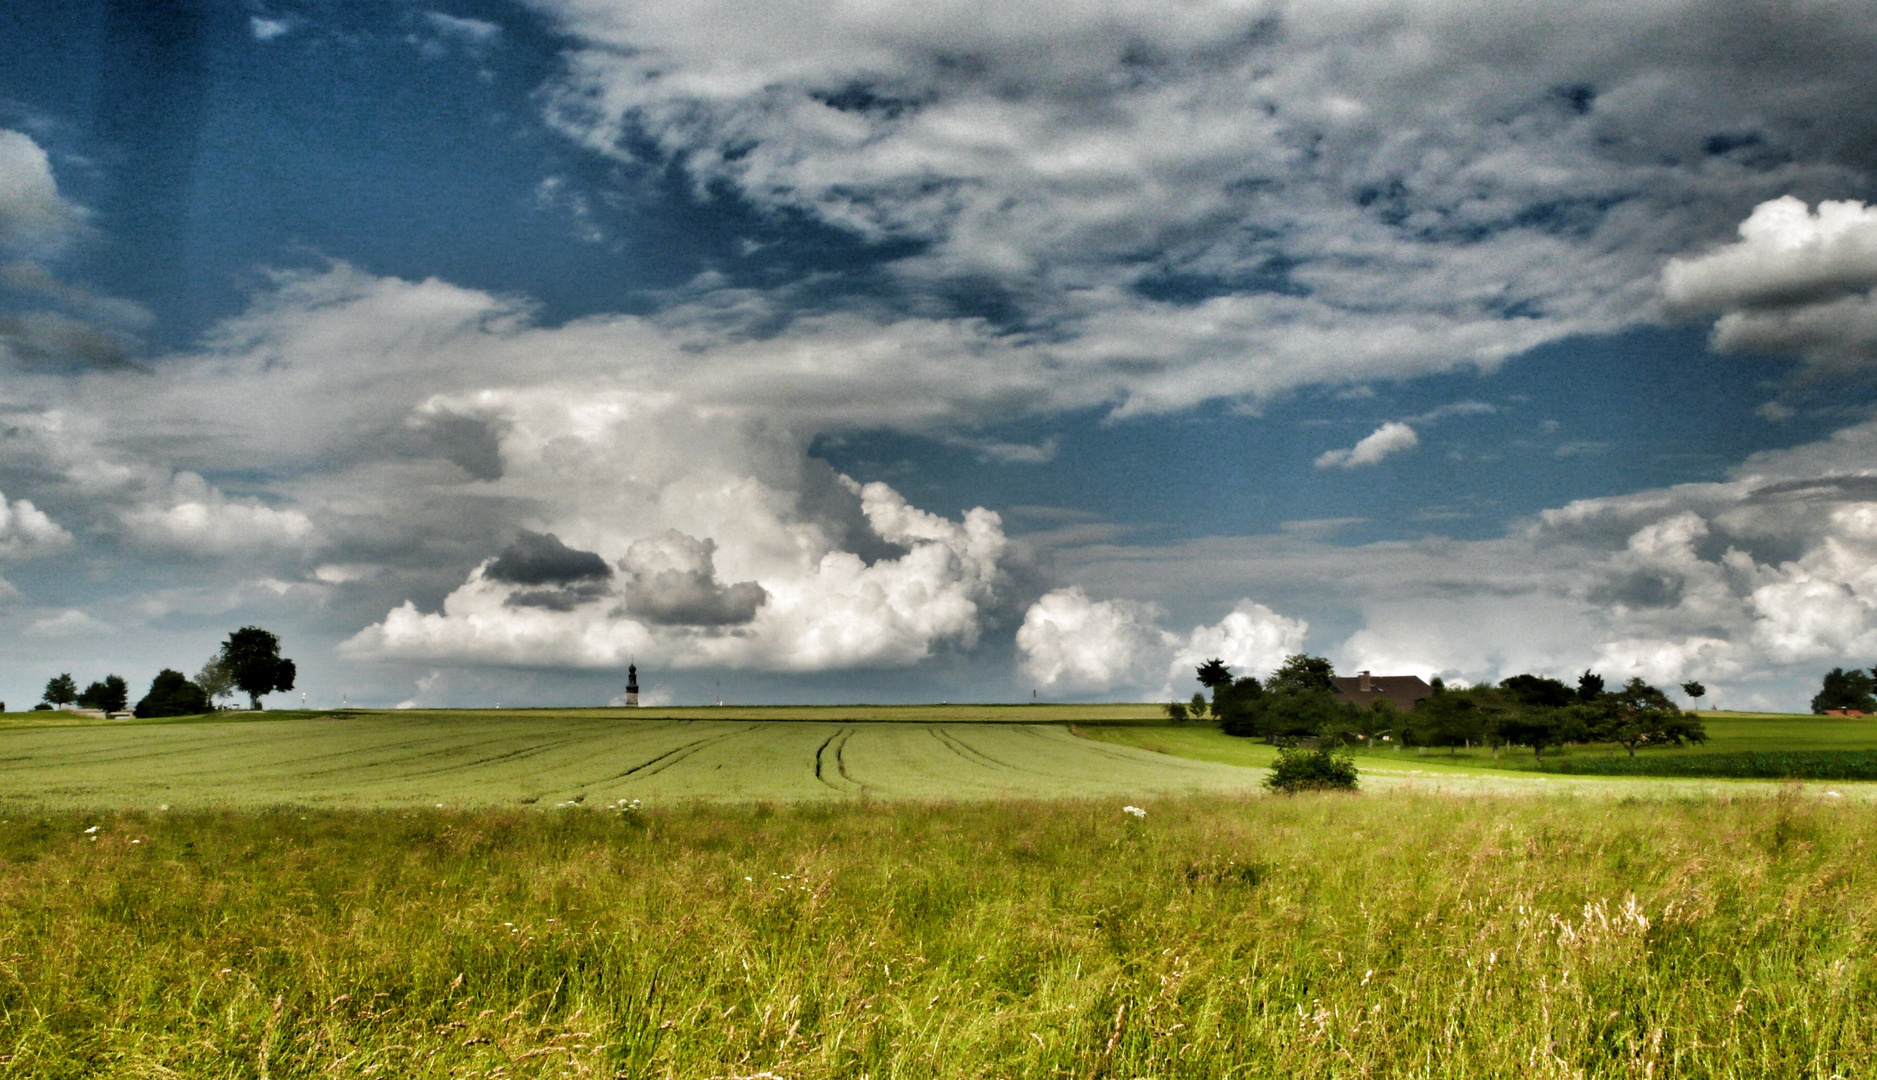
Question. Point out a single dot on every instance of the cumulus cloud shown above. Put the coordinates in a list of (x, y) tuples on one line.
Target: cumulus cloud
[(32, 213), (1252, 640), (26, 532), (671, 580), (827, 608), (1071, 642), (195, 518), (1799, 281), (1391, 438)]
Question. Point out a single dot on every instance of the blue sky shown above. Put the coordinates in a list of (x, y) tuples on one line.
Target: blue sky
[(928, 351)]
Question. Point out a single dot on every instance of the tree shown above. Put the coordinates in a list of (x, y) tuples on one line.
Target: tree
[(1639, 714), (1589, 685), (1196, 708), (1214, 674), (1842, 690), (215, 679), (171, 694), (109, 696), (1537, 690), (1453, 718), (1176, 711), (61, 690), (252, 655), (1695, 691), (1237, 706), (1300, 672), (1538, 713)]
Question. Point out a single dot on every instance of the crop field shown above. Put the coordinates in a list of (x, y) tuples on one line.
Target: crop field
[(464, 759)]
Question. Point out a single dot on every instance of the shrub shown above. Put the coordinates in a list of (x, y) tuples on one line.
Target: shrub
[(1305, 769)]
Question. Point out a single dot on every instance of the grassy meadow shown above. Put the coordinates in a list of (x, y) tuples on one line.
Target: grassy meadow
[(1404, 935)]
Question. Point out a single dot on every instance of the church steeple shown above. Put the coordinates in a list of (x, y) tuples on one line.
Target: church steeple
[(632, 685)]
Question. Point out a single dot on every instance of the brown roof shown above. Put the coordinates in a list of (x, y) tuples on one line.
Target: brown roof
[(1406, 691)]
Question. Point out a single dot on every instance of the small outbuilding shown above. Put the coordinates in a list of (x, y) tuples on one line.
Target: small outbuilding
[(1364, 689)]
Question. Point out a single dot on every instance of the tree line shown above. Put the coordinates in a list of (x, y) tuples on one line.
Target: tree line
[(1299, 701), (249, 661)]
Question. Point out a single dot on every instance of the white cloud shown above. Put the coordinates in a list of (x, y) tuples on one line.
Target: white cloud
[(1391, 438), (1070, 642), (475, 32), (1787, 254), (1798, 281), (1252, 640), (265, 29), (26, 532), (67, 624), (32, 213), (826, 608), (194, 518)]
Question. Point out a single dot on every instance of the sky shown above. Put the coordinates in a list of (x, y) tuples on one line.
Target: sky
[(833, 352)]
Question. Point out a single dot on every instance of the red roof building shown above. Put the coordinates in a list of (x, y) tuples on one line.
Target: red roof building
[(1406, 691)]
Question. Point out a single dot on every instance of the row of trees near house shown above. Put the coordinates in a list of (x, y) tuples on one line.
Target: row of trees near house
[(1850, 691), (1299, 700), (249, 661)]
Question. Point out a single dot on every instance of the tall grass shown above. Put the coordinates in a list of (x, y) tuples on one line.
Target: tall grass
[(1310, 936)]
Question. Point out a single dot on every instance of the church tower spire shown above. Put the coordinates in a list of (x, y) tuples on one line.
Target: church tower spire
[(632, 685)]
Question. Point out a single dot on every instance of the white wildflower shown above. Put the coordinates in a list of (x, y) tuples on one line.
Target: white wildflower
[(1134, 810), (93, 829)]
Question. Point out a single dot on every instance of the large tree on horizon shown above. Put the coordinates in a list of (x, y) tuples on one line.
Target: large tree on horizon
[(252, 656)]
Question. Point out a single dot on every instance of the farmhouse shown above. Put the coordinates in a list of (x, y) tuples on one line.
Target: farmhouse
[(1405, 691)]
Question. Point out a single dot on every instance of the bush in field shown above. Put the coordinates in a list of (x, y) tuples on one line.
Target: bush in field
[(1311, 769)]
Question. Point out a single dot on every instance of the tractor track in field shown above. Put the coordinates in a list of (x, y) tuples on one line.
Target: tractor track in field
[(978, 757), (838, 741), (656, 765), (840, 761)]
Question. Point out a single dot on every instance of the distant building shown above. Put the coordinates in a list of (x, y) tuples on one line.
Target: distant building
[(1406, 691), (632, 685)]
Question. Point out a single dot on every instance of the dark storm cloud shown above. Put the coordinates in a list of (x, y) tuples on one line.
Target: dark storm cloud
[(541, 559)]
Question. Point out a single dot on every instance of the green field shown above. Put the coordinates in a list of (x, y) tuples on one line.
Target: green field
[(544, 757), (1322, 936), (951, 891), (1728, 733)]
